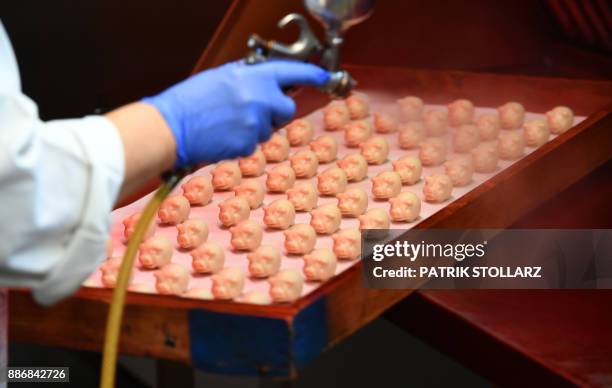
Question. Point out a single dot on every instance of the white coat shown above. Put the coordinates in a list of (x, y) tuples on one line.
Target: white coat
[(58, 183)]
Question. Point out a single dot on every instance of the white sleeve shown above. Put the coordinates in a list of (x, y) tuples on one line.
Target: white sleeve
[(58, 183)]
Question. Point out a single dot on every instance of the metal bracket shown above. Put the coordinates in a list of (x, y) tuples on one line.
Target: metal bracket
[(305, 48)]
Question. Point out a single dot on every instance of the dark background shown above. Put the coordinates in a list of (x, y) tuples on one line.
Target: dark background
[(79, 57)]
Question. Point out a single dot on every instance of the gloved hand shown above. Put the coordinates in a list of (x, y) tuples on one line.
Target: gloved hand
[(222, 113)]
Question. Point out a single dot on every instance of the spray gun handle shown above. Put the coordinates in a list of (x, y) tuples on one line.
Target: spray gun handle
[(305, 48)]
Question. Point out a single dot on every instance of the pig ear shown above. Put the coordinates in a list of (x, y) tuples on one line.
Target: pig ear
[(335, 236), (220, 205), (395, 163), (286, 233), (362, 218), (232, 229), (251, 256), (215, 277), (307, 257)]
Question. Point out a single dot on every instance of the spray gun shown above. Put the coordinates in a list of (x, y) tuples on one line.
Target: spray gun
[(336, 16)]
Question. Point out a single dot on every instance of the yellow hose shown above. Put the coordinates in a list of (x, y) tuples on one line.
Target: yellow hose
[(113, 323)]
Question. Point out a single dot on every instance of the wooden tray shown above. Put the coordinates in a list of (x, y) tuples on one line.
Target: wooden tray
[(276, 340)]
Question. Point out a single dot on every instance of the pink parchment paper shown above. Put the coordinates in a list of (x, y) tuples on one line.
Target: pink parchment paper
[(217, 233)]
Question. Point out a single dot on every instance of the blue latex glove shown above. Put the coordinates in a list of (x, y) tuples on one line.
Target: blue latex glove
[(222, 113)]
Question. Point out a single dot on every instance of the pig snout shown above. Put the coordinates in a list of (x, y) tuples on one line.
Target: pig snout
[(129, 231), (238, 242), (191, 196), (164, 215), (319, 225), (326, 187), (184, 240), (257, 269), (248, 166), (269, 219), (164, 288), (380, 190), (341, 250), (292, 245), (226, 217), (310, 272), (221, 291), (278, 292), (146, 261), (109, 280), (396, 212), (200, 265), (295, 135)]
